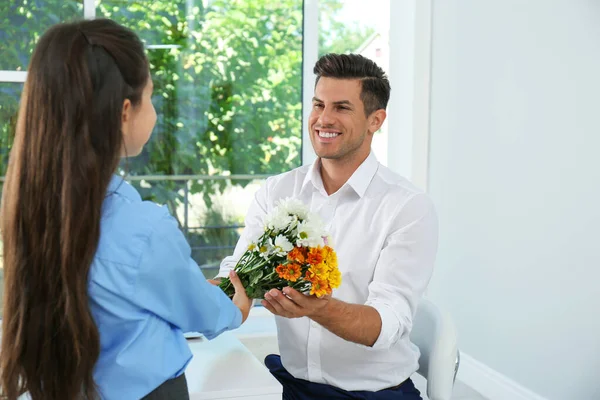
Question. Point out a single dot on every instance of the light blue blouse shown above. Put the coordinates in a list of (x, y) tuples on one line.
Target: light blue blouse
[(145, 292)]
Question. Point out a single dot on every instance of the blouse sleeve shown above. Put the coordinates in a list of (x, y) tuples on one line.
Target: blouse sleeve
[(171, 285)]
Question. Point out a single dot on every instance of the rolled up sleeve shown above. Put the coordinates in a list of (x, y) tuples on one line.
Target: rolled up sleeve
[(404, 268)]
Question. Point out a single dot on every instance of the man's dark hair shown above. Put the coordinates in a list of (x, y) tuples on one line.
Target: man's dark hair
[(375, 91)]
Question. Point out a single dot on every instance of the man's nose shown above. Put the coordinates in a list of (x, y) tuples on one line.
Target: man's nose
[(326, 117)]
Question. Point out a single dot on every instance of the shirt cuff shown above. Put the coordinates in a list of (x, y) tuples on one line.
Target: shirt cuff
[(223, 273), (237, 319), (390, 326)]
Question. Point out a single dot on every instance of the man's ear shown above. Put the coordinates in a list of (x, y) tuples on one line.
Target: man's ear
[(126, 116), (376, 119)]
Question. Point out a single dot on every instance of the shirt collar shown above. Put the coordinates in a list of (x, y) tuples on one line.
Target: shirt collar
[(362, 177), (359, 181), (119, 186), (314, 176)]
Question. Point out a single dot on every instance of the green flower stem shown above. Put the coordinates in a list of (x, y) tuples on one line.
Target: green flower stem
[(252, 261)]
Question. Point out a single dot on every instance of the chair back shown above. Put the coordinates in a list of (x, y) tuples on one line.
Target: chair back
[(434, 333)]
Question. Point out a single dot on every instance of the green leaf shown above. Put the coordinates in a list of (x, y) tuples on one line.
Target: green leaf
[(255, 277)]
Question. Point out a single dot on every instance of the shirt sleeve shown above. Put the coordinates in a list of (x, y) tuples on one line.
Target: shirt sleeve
[(171, 285), (404, 269), (253, 228)]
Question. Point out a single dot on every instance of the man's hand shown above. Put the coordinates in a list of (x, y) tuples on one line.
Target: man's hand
[(292, 304), (240, 298), (353, 322)]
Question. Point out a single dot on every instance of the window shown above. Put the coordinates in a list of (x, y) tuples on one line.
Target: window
[(10, 93), (228, 94), (9, 103), (348, 26), (22, 22), (227, 78)]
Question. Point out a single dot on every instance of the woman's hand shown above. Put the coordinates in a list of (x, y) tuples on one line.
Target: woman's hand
[(240, 298)]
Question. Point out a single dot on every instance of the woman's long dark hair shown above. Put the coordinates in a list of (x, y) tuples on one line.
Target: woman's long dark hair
[(67, 146)]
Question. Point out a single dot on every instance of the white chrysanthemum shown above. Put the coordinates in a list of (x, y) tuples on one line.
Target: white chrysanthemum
[(266, 249), (291, 206), (277, 221), (310, 233), (282, 246), (253, 246)]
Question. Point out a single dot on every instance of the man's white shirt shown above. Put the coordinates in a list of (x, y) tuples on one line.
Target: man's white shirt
[(384, 232)]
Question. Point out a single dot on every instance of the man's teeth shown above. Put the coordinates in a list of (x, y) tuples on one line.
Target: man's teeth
[(328, 134)]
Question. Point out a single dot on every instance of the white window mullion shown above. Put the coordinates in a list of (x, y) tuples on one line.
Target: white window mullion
[(89, 9), (422, 91), (410, 70), (310, 54), (13, 76)]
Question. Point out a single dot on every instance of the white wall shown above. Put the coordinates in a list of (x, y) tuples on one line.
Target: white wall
[(514, 168), (401, 74)]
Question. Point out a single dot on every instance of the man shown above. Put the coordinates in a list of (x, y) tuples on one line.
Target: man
[(355, 343)]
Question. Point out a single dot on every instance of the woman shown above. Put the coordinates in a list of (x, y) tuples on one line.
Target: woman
[(99, 285)]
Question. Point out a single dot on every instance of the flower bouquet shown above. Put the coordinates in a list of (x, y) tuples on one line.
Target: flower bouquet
[(292, 251)]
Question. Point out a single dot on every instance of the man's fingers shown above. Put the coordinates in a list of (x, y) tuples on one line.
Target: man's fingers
[(268, 306), (282, 303), (294, 295), (272, 298), (273, 304)]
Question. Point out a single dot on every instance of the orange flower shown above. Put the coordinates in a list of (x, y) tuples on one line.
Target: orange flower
[(297, 254), (320, 288), (290, 272), (315, 256), (310, 276)]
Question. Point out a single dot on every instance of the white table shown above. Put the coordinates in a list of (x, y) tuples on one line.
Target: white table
[(223, 368)]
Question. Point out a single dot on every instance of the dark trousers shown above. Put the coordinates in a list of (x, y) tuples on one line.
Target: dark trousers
[(299, 389), (173, 389)]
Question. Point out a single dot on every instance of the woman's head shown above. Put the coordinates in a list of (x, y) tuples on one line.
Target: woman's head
[(93, 76), (86, 103)]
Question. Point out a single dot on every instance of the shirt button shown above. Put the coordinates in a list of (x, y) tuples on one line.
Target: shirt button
[(314, 324)]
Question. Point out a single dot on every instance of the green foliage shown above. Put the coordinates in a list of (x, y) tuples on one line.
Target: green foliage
[(22, 22), (227, 78), (228, 89), (9, 104)]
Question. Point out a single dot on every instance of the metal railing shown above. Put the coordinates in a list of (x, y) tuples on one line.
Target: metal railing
[(206, 252), (197, 235), (198, 250), (190, 178)]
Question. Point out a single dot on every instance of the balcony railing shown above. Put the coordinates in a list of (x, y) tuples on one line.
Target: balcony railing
[(210, 242)]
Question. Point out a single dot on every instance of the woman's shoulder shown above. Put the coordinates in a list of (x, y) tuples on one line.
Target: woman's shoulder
[(126, 227)]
